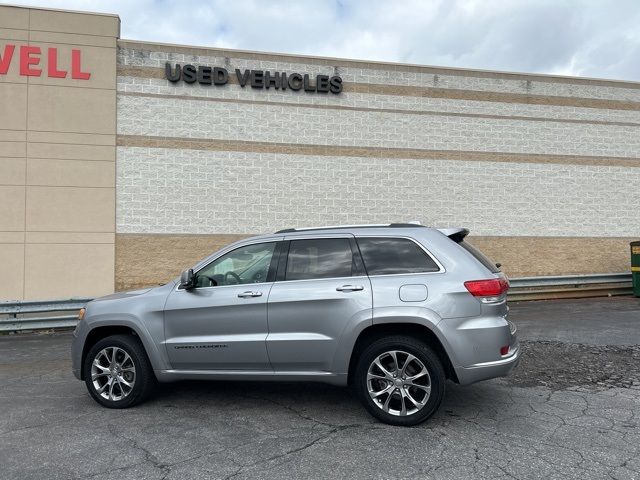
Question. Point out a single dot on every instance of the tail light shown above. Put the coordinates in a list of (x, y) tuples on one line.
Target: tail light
[(488, 291)]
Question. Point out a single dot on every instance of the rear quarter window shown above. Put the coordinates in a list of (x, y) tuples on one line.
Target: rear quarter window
[(481, 257), (392, 256)]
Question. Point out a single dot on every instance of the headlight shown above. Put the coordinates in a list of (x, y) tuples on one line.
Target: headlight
[(81, 314)]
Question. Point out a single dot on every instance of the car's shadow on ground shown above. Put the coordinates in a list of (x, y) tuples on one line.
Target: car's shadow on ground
[(221, 389), (325, 403)]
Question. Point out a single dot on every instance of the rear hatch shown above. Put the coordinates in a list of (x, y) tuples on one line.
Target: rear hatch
[(491, 290)]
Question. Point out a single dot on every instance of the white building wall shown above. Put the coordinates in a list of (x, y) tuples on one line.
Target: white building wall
[(193, 190), (184, 191), (185, 118)]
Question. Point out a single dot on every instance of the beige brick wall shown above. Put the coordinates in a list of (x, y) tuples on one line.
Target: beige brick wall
[(534, 256), (146, 260), (57, 158)]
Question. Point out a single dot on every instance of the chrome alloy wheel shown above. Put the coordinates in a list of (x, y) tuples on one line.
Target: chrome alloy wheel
[(113, 373), (398, 383)]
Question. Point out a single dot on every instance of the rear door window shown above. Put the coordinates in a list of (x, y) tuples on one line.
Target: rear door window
[(319, 258), (392, 256)]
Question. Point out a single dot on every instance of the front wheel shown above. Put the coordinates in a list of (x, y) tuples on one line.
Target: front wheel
[(400, 380), (117, 372)]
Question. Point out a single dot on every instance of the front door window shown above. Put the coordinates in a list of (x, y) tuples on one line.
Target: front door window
[(248, 264)]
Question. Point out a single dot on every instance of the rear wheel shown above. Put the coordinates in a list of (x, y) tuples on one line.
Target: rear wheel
[(117, 372), (400, 380)]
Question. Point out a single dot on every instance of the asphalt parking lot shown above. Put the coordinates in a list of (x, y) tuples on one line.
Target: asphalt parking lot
[(571, 410)]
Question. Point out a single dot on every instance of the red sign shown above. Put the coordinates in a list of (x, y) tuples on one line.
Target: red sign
[(30, 61)]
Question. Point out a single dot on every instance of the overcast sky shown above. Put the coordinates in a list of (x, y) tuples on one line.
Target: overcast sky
[(571, 37)]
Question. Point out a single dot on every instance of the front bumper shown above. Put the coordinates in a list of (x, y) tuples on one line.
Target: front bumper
[(77, 343)]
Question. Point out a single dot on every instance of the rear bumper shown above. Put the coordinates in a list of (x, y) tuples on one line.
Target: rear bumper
[(486, 370), (474, 345)]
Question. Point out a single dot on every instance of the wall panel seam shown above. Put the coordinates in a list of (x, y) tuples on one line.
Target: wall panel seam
[(434, 92), (143, 141), (379, 110)]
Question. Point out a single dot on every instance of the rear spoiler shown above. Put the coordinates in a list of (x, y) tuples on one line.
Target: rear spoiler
[(455, 234)]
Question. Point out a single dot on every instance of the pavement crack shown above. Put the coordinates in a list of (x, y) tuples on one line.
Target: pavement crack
[(293, 451), (42, 425), (295, 411), (149, 457)]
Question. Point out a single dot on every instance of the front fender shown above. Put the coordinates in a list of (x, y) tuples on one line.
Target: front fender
[(156, 356)]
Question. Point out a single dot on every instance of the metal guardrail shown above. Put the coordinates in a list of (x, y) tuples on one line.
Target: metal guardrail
[(27, 315), (570, 286)]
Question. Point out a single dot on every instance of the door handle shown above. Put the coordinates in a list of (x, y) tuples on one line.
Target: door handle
[(350, 288), (249, 294)]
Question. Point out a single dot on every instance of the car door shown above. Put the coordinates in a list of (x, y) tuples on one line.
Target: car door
[(221, 324), (321, 290)]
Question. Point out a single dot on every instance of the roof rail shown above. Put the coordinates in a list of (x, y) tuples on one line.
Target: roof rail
[(412, 224)]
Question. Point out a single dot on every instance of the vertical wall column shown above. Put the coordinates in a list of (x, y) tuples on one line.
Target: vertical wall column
[(57, 153)]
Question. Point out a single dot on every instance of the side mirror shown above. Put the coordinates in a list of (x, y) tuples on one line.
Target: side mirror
[(187, 279)]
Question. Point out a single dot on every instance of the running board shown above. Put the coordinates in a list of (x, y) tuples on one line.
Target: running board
[(257, 375)]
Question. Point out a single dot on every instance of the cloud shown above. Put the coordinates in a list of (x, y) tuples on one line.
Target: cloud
[(572, 37)]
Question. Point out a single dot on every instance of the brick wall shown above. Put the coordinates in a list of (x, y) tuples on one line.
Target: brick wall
[(194, 191), (187, 118), (526, 162)]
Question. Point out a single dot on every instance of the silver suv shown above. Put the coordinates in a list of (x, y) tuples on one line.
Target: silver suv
[(392, 310)]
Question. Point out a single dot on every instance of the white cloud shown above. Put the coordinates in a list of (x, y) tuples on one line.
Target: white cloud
[(574, 37)]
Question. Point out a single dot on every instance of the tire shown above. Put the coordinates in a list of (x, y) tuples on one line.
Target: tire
[(421, 392), (125, 383)]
